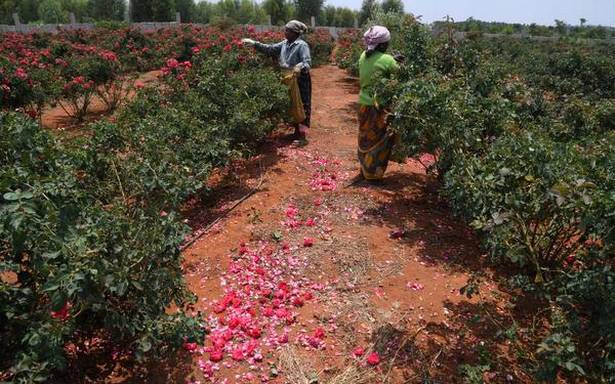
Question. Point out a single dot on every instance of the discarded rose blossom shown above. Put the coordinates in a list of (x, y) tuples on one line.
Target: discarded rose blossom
[(234, 323), (291, 211), (373, 359), (237, 355), (310, 222), (415, 286), (358, 352), (308, 242), (298, 301), (254, 332), (283, 339), (319, 333), (216, 355)]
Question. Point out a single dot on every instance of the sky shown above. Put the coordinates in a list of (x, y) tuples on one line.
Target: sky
[(597, 12)]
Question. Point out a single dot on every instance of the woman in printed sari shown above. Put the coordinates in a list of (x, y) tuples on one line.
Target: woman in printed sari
[(295, 61), (375, 141)]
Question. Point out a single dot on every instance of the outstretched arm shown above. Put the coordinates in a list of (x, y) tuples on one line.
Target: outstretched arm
[(268, 49)]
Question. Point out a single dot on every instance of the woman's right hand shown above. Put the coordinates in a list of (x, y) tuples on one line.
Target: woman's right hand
[(248, 41)]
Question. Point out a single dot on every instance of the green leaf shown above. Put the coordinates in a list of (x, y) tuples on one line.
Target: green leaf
[(145, 345), (137, 285), (51, 255)]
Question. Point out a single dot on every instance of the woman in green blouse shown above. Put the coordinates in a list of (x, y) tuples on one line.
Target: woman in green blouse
[(375, 142)]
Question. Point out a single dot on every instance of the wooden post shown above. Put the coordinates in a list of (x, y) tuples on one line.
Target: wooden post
[(178, 18), (313, 21), (269, 20), (356, 23), (73, 19), (18, 27), (127, 13)]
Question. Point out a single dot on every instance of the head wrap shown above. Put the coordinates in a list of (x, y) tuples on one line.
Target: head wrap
[(296, 26), (376, 35)]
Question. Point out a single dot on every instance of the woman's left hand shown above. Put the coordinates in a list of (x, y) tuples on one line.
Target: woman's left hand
[(399, 58)]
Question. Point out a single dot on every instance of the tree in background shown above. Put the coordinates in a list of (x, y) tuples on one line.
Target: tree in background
[(345, 17), (279, 10), (308, 8), (28, 10), (203, 12), (163, 10), (152, 10), (227, 8), (106, 9), (393, 6), (583, 21), (7, 7), (140, 10), (367, 9), (561, 27), (338, 16), (327, 16), (250, 12), (51, 12), (77, 7), (186, 9)]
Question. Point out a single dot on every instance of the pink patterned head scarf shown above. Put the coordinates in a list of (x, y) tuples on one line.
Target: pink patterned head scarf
[(376, 35)]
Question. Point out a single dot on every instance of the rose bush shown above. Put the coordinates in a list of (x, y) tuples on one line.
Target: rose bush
[(522, 139), (91, 226), (40, 69)]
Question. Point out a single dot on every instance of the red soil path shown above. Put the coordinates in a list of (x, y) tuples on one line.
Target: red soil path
[(362, 287)]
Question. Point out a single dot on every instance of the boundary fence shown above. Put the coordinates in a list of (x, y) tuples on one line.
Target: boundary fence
[(144, 26), (334, 31)]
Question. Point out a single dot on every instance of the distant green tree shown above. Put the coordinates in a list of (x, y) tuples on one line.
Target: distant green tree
[(141, 10), (279, 10), (7, 7), (227, 8), (106, 9), (344, 17), (561, 27), (203, 12), (367, 9), (583, 21), (51, 12), (395, 6), (28, 10), (248, 12), (328, 15), (186, 9), (260, 16), (308, 8), (152, 10), (78, 7), (163, 10)]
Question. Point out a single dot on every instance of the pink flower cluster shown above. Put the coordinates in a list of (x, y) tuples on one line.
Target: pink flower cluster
[(79, 82)]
